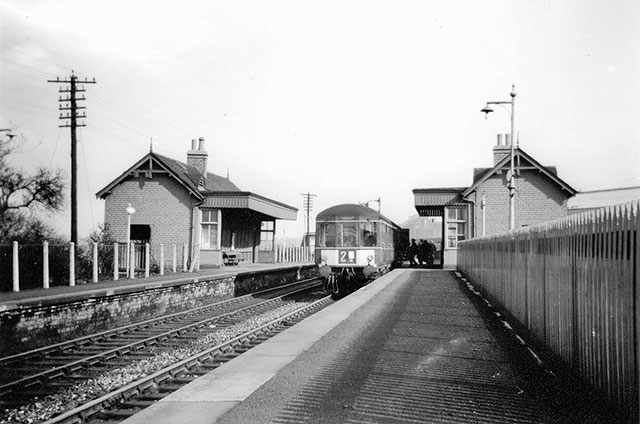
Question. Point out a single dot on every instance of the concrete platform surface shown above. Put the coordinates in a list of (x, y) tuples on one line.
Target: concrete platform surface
[(414, 346)]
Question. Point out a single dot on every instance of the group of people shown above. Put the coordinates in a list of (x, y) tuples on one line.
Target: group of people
[(421, 254)]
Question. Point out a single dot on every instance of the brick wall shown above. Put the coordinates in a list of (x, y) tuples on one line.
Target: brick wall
[(537, 199), (160, 202)]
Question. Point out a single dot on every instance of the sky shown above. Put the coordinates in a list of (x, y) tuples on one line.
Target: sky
[(348, 100)]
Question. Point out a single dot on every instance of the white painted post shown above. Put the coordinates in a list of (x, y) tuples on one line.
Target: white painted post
[(132, 268), (95, 262), (175, 258), (184, 257), (16, 268), (147, 259), (161, 258), (72, 264), (45, 265), (116, 265)]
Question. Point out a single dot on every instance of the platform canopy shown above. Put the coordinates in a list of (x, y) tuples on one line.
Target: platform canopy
[(248, 200), (431, 201)]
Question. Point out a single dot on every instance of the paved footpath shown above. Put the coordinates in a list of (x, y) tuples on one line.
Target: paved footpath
[(415, 346)]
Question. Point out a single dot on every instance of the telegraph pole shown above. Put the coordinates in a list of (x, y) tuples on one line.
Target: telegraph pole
[(70, 103), (308, 206)]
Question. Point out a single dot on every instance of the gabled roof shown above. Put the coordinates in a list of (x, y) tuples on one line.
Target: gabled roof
[(188, 176), (212, 190), (523, 160)]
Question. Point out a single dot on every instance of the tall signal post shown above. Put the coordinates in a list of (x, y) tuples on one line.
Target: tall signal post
[(307, 203), (70, 103)]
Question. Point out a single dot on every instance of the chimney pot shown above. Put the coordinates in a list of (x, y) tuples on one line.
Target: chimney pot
[(507, 138), (201, 145), (194, 143), (499, 139)]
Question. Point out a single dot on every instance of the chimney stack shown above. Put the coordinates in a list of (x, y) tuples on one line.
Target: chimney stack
[(197, 156), (501, 150)]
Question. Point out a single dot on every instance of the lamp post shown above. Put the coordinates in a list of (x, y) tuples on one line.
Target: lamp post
[(511, 175), (130, 211)]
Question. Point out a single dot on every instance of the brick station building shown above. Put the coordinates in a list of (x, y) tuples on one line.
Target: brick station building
[(182, 203), (483, 208)]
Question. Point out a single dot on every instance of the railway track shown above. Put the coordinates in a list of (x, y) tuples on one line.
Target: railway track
[(28, 378)]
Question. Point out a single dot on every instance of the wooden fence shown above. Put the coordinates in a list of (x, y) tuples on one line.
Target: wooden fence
[(574, 283)]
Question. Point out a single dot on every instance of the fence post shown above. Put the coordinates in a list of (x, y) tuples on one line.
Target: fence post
[(16, 268), (132, 257), (147, 259), (184, 257), (115, 261), (45, 265), (72, 264), (95, 262), (161, 258), (175, 257)]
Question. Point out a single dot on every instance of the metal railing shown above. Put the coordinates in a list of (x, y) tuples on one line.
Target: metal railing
[(573, 282)]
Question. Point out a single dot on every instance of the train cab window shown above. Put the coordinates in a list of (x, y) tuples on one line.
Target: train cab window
[(349, 234), (327, 234), (369, 231)]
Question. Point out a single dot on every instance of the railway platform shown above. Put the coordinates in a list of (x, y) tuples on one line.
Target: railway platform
[(413, 346), (25, 298)]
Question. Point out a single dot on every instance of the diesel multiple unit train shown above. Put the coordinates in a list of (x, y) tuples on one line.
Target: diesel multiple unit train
[(354, 244)]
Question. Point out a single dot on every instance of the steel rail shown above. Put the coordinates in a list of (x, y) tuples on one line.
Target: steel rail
[(4, 361), (81, 413), (63, 370)]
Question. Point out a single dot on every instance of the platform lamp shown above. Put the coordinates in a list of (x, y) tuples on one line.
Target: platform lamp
[(511, 174), (130, 211)]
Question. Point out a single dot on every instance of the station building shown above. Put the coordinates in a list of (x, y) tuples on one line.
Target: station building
[(585, 201), (483, 208), (183, 203)]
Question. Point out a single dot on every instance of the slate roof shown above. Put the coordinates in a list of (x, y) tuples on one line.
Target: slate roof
[(520, 156), (193, 177)]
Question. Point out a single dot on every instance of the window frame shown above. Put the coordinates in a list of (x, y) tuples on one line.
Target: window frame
[(212, 226)]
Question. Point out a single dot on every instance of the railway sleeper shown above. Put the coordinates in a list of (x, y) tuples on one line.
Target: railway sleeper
[(169, 388), (118, 414), (140, 404)]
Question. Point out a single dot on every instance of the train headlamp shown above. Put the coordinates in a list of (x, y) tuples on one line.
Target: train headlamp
[(370, 258)]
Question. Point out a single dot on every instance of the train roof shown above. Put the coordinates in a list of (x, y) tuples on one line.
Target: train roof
[(352, 212)]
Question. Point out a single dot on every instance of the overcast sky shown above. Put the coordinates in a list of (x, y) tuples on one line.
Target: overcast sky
[(348, 100)]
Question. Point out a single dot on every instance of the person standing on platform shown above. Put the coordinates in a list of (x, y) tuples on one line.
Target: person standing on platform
[(412, 251)]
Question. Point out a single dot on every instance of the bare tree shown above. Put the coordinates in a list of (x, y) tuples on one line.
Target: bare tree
[(20, 193)]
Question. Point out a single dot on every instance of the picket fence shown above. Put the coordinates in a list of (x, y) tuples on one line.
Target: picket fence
[(573, 282)]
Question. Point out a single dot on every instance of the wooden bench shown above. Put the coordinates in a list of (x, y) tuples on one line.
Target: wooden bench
[(230, 258)]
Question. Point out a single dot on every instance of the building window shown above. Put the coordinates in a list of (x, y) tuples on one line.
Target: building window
[(209, 229), (267, 235), (456, 226)]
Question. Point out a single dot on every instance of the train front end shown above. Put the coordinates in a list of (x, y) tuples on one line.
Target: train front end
[(353, 244)]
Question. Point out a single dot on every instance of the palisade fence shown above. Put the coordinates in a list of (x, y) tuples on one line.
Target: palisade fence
[(24, 267), (573, 282), (289, 254)]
